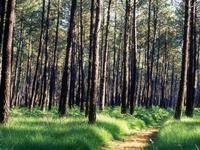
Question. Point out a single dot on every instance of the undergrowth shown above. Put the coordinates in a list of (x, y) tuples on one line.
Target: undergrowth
[(179, 135), (46, 130)]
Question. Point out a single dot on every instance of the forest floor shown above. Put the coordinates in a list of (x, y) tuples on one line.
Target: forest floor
[(46, 130), (183, 134), (137, 141)]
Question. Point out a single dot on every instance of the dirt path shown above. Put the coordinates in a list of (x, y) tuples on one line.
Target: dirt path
[(137, 141)]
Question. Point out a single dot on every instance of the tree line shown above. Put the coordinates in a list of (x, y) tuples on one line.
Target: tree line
[(95, 54)]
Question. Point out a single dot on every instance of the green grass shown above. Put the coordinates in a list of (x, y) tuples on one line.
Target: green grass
[(179, 135), (39, 130)]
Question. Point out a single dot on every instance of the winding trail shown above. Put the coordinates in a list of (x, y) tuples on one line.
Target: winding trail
[(137, 141)]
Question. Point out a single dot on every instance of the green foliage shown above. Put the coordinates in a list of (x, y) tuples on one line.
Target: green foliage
[(154, 116), (179, 135), (38, 130)]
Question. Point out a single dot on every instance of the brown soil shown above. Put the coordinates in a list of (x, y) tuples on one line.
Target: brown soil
[(137, 141)]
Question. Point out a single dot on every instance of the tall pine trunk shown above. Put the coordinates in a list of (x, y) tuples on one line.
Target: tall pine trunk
[(125, 60), (186, 41), (2, 14), (95, 64), (133, 61), (64, 87), (105, 62), (90, 57), (6, 62), (53, 67), (148, 86), (35, 81), (191, 75), (81, 61), (45, 91)]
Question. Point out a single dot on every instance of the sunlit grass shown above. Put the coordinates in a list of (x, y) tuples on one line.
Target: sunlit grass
[(179, 135), (38, 130)]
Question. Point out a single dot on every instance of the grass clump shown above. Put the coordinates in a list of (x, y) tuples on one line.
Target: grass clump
[(179, 135), (38, 130)]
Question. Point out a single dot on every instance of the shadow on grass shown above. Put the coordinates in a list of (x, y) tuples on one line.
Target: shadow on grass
[(111, 128), (78, 145), (38, 130), (72, 135)]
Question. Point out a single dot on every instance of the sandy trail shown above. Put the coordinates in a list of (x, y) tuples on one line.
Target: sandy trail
[(137, 141)]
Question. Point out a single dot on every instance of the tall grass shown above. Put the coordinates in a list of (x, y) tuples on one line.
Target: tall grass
[(38, 130), (179, 135)]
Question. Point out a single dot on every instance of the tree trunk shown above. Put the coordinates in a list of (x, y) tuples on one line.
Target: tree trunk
[(113, 89), (81, 61), (95, 64), (19, 49), (90, 57), (34, 86), (73, 76), (64, 88), (53, 67), (117, 87), (133, 61), (155, 11), (148, 90), (28, 72), (44, 94), (125, 61), (186, 42), (172, 85), (191, 75), (157, 70), (2, 14), (6, 62), (105, 62)]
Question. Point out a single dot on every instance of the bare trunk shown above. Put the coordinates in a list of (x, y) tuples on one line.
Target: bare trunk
[(192, 62), (95, 64), (105, 62), (53, 67), (64, 88), (125, 60), (183, 80), (6, 62)]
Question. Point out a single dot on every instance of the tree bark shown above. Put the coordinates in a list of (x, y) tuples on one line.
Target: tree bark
[(44, 94), (6, 62), (34, 86), (113, 87), (186, 41), (148, 88), (2, 14), (73, 75), (18, 56), (64, 88), (191, 75), (28, 73), (133, 61), (125, 61), (81, 61), (90, 57), (105, 62), (53, 67), (95, 64)]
